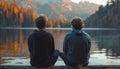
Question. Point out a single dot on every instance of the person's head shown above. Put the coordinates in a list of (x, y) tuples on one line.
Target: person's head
[(41, 22), (77, 23)]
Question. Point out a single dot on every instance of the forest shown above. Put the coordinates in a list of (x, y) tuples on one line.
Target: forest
[(13, 15), (106, 17)]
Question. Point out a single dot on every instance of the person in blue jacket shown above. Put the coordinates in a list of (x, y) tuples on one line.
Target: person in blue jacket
[(76, 46), (41, 45)]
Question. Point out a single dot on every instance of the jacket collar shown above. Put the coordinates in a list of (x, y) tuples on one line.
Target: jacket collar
[(77, 31)]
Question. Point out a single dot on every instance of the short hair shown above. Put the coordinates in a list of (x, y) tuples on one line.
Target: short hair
[(77, 23), (41, 21)]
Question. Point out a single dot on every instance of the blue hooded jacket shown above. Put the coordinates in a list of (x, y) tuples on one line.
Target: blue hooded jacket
[(76, 46)]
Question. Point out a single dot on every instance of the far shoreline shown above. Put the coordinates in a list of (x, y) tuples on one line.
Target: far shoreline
[(55, 28)]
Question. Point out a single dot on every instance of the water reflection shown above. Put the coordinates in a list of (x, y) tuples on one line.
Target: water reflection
[(111, 43), (13, 42)]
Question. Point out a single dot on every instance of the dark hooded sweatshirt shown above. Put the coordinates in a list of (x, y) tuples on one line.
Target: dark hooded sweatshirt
[(41, 48), (77, 46)]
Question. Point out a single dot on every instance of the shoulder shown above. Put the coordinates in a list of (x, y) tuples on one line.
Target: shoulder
[(31, 35), (68, 35), (87, 35), (49, 34)]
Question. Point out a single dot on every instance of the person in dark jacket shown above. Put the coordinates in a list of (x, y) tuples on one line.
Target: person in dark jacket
[(76, 45), (41, 45)]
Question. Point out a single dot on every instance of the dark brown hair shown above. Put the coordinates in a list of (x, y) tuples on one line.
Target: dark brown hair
[(41, 21), (77, 23)]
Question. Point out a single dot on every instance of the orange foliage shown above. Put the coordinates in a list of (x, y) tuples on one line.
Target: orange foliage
[(58, 22), (34, 14), (21, 17), (16, 10), (0, 12), (51, 23), (12, 46), (11, 9), (16, 46)]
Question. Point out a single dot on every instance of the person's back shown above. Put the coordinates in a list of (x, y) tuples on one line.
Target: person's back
[(76, 45), (41, 45)]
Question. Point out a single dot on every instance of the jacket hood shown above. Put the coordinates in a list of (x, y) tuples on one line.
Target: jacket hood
[(40, 33), (78, 32)]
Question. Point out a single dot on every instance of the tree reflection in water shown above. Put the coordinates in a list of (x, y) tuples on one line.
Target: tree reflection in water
[(13, 42)]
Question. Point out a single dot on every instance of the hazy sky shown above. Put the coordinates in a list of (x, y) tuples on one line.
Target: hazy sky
[(100, 2)]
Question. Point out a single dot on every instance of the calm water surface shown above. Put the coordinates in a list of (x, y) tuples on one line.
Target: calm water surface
[(105, 44)]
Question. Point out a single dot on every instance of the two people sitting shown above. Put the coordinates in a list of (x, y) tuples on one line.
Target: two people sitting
[(76, 46)]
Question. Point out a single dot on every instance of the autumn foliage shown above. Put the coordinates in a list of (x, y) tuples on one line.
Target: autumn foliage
[(12, 15)]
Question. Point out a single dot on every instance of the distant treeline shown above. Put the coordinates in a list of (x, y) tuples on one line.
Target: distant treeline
[(58, 22), (106, 17), (12, 15)]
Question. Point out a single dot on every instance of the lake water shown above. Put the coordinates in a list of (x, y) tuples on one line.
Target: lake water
[(105, 49)]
